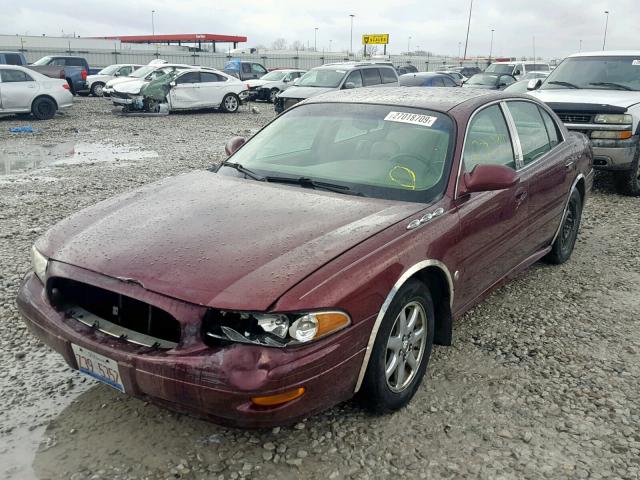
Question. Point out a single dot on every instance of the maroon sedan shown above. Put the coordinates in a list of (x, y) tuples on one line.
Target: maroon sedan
[(325, 258)]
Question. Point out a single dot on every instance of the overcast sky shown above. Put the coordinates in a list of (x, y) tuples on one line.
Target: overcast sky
[(437, 26)]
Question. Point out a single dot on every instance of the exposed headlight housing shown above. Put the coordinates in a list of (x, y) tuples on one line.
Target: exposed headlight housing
[(617, 119), (39, 263), (271, 329)]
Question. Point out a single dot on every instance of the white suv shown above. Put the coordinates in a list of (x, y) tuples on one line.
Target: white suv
[(517, 69)]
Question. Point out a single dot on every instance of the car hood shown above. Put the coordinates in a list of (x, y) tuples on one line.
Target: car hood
[(304, 92), (617, 98), (102, 78), (132, 87), (257, 83), (219, 241), (120, 80)]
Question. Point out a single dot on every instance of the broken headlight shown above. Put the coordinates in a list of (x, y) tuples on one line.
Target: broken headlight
[(271, 329)]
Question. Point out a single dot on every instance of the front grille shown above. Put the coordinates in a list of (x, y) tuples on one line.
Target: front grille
[(115, 314), (119, 94), (575, 117)]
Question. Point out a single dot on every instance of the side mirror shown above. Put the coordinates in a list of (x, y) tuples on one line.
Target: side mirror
[(517, 72), (485, 178), (117, 74), (349, 85), (534, 84), (285, 80), (172, 84), (233, 144)]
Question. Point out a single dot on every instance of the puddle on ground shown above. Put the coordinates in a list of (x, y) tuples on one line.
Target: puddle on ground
[(17, 159)]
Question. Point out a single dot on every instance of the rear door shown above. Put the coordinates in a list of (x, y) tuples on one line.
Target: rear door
[(370, 77), (213, 88), (17, 89), (548, 169), (493, 224), (186, 93)]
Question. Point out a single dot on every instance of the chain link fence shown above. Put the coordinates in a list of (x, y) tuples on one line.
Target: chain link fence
[(303, 60)]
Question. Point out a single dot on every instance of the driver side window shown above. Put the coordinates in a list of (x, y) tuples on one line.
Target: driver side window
[(488, 141)]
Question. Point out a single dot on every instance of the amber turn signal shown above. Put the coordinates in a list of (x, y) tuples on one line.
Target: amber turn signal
[(279, 398), (330, 322)]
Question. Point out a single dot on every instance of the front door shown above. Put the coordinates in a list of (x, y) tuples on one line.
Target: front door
[(493, 224), (186, 93)]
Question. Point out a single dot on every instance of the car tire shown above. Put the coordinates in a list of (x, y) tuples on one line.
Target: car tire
[(565, 241), (383, 392), (43, 108), (96, 89), (273, 94), (628, 182), (230, 103)]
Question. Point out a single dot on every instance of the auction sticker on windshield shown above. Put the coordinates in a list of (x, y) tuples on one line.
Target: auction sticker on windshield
[(414, 118), (98, 366), (636, 63)]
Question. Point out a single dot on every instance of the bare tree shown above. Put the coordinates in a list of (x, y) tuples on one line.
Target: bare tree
[(297, 45), (279, 44)]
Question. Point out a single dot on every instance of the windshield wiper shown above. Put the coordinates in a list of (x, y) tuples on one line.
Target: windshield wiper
[(564, 84), (241, 169), (308, 182), (612, 84)]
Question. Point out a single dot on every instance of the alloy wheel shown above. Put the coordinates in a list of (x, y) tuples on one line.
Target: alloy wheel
[(230, 103), (406, 346)]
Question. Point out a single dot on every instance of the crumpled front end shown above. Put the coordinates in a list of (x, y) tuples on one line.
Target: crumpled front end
[(150, 98)]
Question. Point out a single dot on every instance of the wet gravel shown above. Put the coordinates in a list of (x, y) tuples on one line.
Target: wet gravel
[(542, 381)]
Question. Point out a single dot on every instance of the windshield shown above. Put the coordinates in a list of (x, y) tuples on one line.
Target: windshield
[(482, 79), (273, 76), (606, 73), (322, 77), (500, 68), (43, 61), (110, 70), (379, 151), (143, 71)]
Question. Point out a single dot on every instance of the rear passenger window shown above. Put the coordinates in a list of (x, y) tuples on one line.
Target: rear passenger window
[(11, 76), (488, 141), (552, 128), (74, 62), (12, 59), (448, 82), (354, 77), (206, 77), (388, 75), (437, 82), (370, 76), (531, 130)]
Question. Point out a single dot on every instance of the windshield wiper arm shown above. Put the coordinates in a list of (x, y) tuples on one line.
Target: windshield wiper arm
[(612, 84), (564, 84), (309, 182), (241, 169)]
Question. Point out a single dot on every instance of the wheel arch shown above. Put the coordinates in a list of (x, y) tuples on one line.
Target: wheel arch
[(579, 183), (44, 95), (436, 276)]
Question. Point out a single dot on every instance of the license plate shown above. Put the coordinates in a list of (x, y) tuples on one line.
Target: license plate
[(98, 366)]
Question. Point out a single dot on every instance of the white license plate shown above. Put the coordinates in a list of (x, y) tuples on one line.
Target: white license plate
[(98, 366)]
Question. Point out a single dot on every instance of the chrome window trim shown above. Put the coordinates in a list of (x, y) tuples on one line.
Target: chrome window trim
[(466, 136), (515, 138), (385, 306), (566, 205)]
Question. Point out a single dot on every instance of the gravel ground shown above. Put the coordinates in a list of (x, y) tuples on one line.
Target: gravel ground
[(542, 381)]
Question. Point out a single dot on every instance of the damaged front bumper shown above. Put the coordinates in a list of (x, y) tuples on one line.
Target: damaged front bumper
[(218, 383)]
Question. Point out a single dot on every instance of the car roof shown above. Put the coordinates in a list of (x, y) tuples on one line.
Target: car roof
[(353, 65), (439, 99), (425, 74), (610, 53)]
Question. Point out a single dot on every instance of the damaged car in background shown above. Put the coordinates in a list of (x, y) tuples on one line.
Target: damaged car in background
[(189, 89), (268, 87)]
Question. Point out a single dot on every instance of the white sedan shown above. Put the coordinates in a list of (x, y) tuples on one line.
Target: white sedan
[(23, 91), (190, 89)]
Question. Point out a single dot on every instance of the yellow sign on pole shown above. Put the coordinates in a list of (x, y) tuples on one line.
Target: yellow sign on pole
[(375, 39)]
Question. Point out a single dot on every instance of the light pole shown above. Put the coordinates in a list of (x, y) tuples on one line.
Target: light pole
[(315, 40), (466, 43), (606, 26), (409, 45), (534, 48), (351, 15), (330, 45), (491, 47), (459, 49), (153, 27), (580, 46)]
